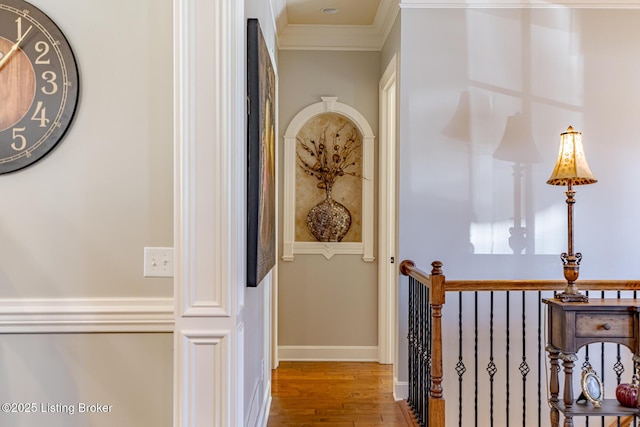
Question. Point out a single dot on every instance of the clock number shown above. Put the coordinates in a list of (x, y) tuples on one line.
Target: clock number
[(21, 139), (50, 77), (19, 22), (43, 49), (20, 33), (40, 115)]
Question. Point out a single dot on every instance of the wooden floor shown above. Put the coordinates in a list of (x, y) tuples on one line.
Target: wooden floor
[(342, 394)]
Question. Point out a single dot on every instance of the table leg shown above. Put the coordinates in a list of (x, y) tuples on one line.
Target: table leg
[(554, 385), (568, 360)]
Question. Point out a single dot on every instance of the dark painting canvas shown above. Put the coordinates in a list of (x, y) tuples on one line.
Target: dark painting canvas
[(261, 174)]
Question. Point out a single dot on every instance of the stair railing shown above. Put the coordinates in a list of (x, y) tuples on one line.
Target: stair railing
[(427, 298)]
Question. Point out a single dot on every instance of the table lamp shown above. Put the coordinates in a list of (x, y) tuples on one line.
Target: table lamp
[(571, 169)]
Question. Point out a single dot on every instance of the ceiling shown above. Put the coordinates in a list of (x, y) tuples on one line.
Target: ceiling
[(334, 24), (332, 12)]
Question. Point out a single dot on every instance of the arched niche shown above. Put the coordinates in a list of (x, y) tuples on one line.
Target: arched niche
[(328, 249)]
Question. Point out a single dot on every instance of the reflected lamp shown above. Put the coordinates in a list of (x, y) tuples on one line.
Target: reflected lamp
[(571, 169), (518, 147)]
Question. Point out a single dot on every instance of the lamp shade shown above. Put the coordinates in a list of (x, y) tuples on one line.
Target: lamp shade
[(571, 166), (517, 144), (459, 127)]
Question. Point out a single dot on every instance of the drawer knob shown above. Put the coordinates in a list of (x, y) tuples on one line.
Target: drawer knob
[(606, 326)]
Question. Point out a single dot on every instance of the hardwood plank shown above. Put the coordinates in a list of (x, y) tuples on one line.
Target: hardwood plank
[(336, 394)]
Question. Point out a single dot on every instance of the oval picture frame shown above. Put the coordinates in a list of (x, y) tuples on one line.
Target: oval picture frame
[(592, 387)]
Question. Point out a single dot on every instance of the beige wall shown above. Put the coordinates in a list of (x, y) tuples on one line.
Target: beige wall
[(73, 226), (327, 302), (75, 223), (131, 373)]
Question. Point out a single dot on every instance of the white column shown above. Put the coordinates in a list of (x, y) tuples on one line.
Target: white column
[(209, 200)]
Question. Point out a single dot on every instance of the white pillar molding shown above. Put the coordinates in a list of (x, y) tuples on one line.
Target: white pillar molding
[(203, 361), (208, 212)]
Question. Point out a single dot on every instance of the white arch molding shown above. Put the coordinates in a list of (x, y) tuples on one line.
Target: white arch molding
[(328, 249)]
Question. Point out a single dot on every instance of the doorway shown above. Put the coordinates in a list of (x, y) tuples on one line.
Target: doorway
[(387, 227)]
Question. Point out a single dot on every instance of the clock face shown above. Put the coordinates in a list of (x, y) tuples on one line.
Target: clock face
[(38, 85)]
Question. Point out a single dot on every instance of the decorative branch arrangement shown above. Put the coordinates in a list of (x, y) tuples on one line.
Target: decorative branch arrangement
[(329, 161)]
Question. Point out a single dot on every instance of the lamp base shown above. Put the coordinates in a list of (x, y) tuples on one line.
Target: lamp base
[(572, 297)]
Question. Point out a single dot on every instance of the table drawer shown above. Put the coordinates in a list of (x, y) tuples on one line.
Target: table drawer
[(599, 325)]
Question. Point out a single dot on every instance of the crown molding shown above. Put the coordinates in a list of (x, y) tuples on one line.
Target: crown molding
[(329, 37), (623, 4), (338, 37), (279, 8), (372, 37)]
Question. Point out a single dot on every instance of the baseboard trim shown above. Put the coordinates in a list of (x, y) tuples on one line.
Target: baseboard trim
[(400, 389), (69, 315), (328, 353), (266, 407)]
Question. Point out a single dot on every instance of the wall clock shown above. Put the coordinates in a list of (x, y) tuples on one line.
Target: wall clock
[(39, 85)]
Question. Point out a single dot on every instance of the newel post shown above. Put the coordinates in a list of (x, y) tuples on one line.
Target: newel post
[(437, 298)]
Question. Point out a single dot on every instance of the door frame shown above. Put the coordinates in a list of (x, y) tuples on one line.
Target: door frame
[(387, 223)]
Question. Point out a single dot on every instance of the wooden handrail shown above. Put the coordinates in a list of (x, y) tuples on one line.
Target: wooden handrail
[(438, 287), (408, 268)]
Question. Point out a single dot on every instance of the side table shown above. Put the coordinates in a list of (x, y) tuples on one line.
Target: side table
[(572, 325)]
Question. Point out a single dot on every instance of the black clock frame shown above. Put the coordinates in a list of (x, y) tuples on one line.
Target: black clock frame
[(57, 86)]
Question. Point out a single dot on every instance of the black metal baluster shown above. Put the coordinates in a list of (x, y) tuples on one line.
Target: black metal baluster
[(418, 351), (508, 360), (586, 365), (419, 378), (416, 375), (410, 344), (491, 367), (618, 367), (524, 366), (460, 368), (602, 366), (423, 379), (540, 359), (427, 356), (411, 341), (476, 358)]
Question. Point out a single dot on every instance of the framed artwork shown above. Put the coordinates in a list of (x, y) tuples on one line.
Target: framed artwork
[(328, 205), (591, 387), (261, 160)]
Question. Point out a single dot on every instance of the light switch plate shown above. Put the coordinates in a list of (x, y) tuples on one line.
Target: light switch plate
[(158, 262)]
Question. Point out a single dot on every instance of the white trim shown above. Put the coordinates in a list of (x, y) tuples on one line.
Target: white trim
[(327, 249), (206, 61), (24, 316), (330, 37), (329, 353), (203, 379), (255, 405), (290, 246), (271, 297), (400, 389), (387, 222), (266, 407), (209, 57), (533, 4), (386, 17)]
